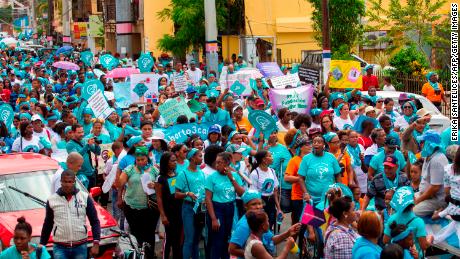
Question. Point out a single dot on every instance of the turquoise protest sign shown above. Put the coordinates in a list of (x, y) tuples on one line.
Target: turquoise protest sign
[(7, 114), (90, 87), (140, 89), (145, 62), (237, 88), (262, 122), (3, 45), (173, 108), (122, 94), (180, 132), (86, 57), (108, 61)]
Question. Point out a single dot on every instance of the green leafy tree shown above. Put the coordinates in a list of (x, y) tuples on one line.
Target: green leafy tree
[(344, 21), (189, 25), (407, 22), (409, 61)]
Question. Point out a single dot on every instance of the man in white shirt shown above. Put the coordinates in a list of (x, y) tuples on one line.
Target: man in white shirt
[(73, 162), (39, 130), (194, 73)]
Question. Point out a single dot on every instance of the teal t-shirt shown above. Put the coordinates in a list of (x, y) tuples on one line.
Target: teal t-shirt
[(281, 157), (87, 128), (319, 173), (12, 253), (445, 138), (221, 116), (180, 167), (403, 218), (377, 161), (365, 249), (221, 187), (189, 181)]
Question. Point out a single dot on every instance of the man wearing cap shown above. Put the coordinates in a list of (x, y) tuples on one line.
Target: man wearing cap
[(369, 79), (39, 131), (431, 195), (194, 73), (252, 202), (242, 123), (376, 164), (390, 178)]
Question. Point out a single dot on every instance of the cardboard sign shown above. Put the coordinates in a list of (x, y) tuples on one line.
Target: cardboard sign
[(122, 94), (346, 74), (295, 99), (99, 105), (180, 83), (269, 69), (283, 81), (309, 75), (243, 76), (173, 108), (150, 80), (7, 114)]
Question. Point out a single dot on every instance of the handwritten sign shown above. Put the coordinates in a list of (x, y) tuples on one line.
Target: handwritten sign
[(309, 75), (295, 99), (180, 83), (173, 108), (99, 105), (283, 81)]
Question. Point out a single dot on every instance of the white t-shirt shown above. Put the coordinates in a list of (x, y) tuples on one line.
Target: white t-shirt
[(23, 145), (43, 134), (56, 180), (340, 123), (281, 128), (264, 182), (389, 88), (195, 76)]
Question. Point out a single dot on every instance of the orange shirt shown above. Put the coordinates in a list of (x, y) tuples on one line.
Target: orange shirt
[(292, 170), (346, 161), (430, 94), (243, 124)]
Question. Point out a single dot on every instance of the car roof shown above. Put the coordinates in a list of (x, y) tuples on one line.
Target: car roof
[(25, 162)]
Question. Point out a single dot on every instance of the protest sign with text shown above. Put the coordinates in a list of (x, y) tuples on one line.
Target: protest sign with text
[(309, 75), (269, 69), (99, 105), (243, 76), (283, 81), (173, 108), (295, 99)]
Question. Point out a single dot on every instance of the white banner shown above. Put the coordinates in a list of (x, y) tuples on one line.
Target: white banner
[(282, 81), (150, 80), (99, 105), (180, 83), (243, 75)]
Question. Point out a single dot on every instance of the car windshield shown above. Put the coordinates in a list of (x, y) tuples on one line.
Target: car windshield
[(36, 183)]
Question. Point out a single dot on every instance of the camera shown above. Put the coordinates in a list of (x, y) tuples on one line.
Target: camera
[(97, 141)]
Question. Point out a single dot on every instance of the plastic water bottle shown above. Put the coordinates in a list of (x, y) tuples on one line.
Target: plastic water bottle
[(279, 218)]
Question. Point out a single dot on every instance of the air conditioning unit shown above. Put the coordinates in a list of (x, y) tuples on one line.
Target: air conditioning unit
[(372, 37)]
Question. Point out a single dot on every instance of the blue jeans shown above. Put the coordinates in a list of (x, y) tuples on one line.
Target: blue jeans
[(218, 240), (191, 233), (76, 252)]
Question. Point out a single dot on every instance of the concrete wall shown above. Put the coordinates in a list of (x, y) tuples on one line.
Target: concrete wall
[(154, 28)]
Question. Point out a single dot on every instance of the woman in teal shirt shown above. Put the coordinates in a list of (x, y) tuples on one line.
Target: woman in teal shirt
[(221, 189), (318, 169), (180, 150), (141, 218), (22, 247), (190, 187)]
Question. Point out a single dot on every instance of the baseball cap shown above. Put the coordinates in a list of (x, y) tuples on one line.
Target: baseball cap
[(234, 148), (190, 90), (391, 141), (36, 117), (214, 129), (313, 131), (369, 109), (236, 106), (259, 102), (391, 160)]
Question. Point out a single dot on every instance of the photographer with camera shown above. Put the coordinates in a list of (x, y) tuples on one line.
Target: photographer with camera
[(87, 173)]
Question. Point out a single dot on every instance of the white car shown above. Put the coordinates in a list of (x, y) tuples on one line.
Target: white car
[(438, 122)]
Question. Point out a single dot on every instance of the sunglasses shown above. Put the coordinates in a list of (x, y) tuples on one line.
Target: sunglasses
[(380, 101)]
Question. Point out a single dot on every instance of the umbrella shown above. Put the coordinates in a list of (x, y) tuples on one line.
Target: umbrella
[(122, 72), (63, 49), (9, 41), (66, 65)]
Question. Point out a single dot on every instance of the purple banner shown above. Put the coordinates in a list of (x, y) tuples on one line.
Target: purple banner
[(269, 69)]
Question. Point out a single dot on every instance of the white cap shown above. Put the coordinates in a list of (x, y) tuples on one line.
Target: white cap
[(369, 109), (36, 117)]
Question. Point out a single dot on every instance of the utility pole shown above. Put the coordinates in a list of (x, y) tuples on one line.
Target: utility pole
[(211, 36), (326, 40), (50, 17)]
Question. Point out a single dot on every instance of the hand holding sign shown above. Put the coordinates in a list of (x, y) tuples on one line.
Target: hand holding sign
[(6, 115), (237, 88), (108, 61), (86, 57)]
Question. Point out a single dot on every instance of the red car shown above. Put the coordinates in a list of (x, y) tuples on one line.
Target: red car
[(25, 185)]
